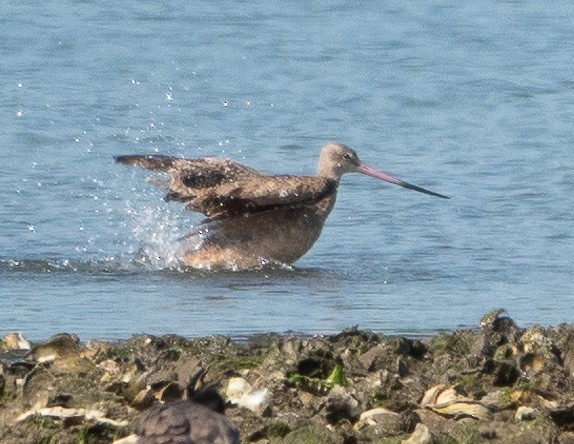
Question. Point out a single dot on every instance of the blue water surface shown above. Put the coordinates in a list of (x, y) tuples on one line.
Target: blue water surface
[(470, 99)]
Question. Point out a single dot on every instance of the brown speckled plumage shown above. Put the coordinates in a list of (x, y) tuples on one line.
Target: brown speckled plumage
[(255, 218), (185, 422)]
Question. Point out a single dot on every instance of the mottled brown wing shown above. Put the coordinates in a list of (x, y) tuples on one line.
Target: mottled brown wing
[(221, 188), (259, 194), (203, 166), (190, 177)]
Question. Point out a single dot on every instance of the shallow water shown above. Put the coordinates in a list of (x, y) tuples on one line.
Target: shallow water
[(473, 100)]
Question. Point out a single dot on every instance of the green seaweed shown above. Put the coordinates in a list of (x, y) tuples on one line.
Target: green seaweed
[(336, 377)]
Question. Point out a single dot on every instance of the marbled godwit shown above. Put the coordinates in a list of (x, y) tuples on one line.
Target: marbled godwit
[(185, 422), (199, 419), (254, 219)]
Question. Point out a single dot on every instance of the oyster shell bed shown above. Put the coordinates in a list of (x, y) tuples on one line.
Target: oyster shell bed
[(497, 383)]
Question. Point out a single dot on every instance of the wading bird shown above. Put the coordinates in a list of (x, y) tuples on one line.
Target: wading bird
[(254, 219)]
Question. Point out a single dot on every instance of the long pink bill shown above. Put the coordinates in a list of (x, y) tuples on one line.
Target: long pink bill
[(365, 169)]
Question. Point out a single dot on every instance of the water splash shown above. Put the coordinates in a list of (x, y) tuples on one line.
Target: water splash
[(157, 230), (111, 264), (150, 239)]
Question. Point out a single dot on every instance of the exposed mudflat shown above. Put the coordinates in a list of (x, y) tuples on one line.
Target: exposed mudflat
[(498, 383)]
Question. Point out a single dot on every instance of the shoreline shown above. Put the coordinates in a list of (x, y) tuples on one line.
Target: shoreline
[(496, 383)]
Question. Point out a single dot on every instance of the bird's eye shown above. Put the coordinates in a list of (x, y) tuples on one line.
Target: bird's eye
[(347, 156)]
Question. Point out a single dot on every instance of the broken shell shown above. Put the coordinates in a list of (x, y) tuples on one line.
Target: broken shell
[(240, 393), (465, 409), (170, 392), (130, 439), (257, 401), (143, 399), (538, 351), (524, 413), (381, 417), (95, 347), (430, 396), (59, 346), (110, 366), (65, 413), (376, 411), (236, 389), (448, 396), (440, 395), (448, 402), (15, 341), (534, 341)]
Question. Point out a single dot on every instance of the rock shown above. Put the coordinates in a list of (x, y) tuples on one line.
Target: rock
[(537, 352), (111, 367), (524, 413), (311, 435), (341, 405), (143, 399), (565, 344), (495, 322), (497, 400), (498, 383), (421, 435), (379, 357), (488, 431)]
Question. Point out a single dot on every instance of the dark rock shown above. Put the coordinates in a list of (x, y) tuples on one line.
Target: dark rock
[(341, 405), (311, 435), (320, 386)]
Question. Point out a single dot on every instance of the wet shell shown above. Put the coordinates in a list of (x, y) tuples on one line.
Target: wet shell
[(14, 341), (464, 409), (446, 401)]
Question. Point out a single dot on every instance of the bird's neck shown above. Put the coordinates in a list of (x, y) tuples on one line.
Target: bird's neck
[(328, 172)]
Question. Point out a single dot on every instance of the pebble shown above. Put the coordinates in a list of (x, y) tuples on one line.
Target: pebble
[(524, 413), (421, 435)]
